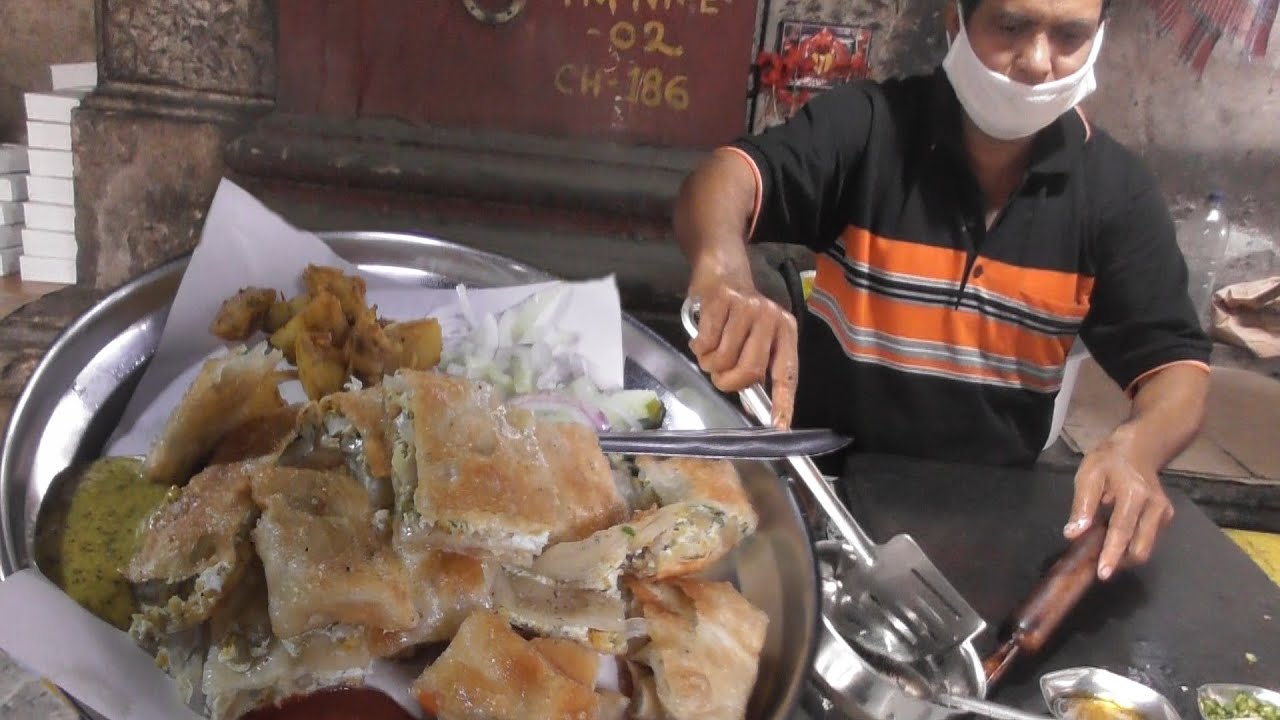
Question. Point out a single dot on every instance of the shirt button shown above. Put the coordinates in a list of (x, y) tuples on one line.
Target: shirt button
[(977, 271)]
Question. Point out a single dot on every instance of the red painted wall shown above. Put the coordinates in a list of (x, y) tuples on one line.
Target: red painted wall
[(651, 72)]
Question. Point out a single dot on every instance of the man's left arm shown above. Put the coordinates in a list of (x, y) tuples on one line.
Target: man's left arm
[(1144, 332), (1124, 470)]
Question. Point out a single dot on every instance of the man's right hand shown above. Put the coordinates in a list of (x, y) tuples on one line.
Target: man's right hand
[(744, 337)]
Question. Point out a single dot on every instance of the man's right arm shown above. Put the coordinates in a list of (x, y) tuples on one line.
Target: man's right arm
[(786, 184), (741, 334)]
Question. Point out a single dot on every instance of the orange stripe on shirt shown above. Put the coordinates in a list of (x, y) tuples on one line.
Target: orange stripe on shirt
[(1050, 291), (960, 328), (902, 257), (1136, 385), (934, 366)]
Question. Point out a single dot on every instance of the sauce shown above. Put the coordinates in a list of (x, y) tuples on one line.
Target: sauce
[(1091, 708), (84, 541), (335, 704)]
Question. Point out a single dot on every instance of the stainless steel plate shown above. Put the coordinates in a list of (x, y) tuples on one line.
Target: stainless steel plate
[(79, 390), (1225, 694), (1063, 687)]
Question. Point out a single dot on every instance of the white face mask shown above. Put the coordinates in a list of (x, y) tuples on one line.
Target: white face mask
[(1006, 109)]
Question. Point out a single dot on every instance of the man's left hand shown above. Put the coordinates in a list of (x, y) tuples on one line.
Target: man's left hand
[(1110, 475)]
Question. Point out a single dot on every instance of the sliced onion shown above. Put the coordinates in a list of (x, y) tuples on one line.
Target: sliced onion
[(636, 628), (607, 673), (464, 304), (563, 406)]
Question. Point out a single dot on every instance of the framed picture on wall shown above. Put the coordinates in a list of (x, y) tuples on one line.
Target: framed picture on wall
[(830, 54)]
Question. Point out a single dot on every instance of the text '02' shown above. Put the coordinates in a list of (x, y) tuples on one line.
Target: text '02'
[(647, 56)]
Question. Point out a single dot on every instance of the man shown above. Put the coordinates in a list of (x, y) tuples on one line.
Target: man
[(968, 225)]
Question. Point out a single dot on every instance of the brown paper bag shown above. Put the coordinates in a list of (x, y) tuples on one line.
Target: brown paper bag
[(1247, 315)]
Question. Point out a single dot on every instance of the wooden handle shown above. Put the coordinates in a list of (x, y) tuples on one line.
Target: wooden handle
[(1058, 592), (999, 662)]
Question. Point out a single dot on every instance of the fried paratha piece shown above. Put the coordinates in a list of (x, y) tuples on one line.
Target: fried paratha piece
[(259, 437), (247, 667), (588, 497), (703, 653), (326, 561), (703, 515), (446, 588), (229, 390), (468, 477), (347, 429), (489, 672), (193, 551)]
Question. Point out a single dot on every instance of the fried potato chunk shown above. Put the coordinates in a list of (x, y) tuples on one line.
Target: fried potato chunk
[(348, 289), (322, 315), (322, 368), (420, 343), (338, 328), (282, 312), (243, 314), (370, 353)]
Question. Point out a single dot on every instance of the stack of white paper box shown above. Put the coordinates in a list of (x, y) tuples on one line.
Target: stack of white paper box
[(13, 190), (49, 238)]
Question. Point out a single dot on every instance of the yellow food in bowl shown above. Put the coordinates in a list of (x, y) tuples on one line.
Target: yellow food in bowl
[(1091, 708)]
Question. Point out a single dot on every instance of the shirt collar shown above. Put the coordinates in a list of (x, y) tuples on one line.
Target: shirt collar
[(1053, 151)]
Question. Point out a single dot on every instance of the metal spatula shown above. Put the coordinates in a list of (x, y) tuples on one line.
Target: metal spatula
[(896, 602)]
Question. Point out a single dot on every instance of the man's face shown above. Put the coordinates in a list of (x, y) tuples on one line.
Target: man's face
[(1031, 41)]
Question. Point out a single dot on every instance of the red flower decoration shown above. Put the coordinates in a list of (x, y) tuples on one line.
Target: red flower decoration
[(820, 56)]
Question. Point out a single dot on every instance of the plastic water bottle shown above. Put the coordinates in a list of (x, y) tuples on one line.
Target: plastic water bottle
[(1204, 243)]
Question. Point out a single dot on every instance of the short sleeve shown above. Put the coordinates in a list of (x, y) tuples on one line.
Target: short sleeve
[(805, 164), (1140, 318)]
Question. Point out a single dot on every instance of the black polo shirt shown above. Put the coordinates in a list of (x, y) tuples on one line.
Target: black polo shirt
[(934, 336)]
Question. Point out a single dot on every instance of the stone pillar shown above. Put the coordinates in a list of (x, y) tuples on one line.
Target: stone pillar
[(175, 83)]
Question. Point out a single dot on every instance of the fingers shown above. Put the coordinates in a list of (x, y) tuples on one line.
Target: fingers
[(1090, 486), (749, 361), (1155, 516), (733, 350), (1130, 505), (742, 338), (784, 372), (1149, 524), (1140, 508), (711, 320)]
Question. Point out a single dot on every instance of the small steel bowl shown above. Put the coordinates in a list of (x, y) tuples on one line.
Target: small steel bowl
[(1226, 693), (1063, 687)]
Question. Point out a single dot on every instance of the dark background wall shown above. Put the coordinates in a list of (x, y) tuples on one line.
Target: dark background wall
[(37, 34), (1218, 131)]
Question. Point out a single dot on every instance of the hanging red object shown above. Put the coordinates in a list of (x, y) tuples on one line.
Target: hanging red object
[(1198, 25), (820, 59)]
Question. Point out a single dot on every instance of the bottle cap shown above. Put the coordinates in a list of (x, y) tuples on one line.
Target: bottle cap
[(1216, 196)]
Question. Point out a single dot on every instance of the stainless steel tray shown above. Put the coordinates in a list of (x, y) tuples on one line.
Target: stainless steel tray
[(80, 388)]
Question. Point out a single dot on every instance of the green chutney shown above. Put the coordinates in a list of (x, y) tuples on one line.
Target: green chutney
[(85, 545)]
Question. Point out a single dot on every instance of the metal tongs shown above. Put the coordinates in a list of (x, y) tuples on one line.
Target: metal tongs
[(744, 443), (895, 603)]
